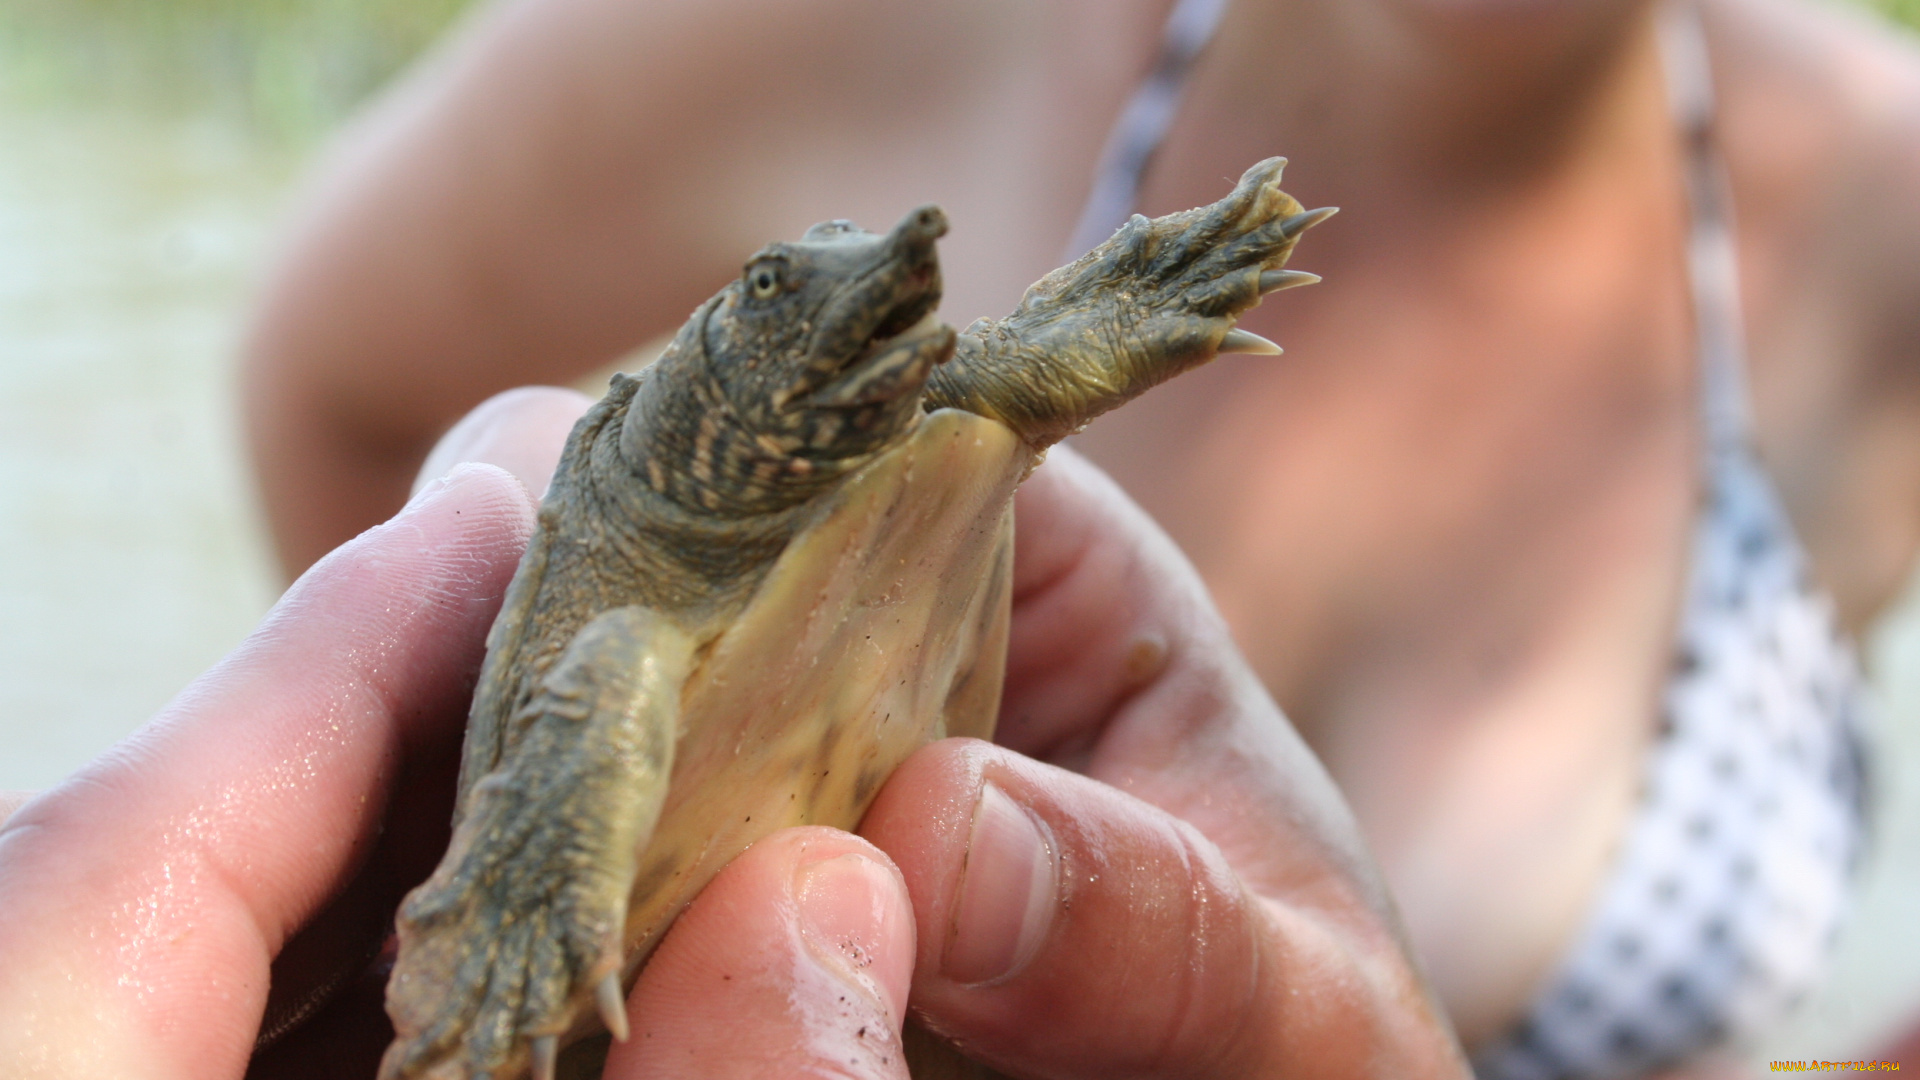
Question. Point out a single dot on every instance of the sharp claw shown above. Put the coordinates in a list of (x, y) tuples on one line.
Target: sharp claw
[(1275, 280), (546, 1050), (1301, 222), (613, 1006), (1246, 341)]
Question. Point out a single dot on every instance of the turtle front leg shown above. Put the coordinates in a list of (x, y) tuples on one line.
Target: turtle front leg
[(1158, 298), (520, 928)]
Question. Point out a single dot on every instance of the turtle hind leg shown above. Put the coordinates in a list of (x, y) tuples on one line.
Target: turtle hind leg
[(520, 928), (1158, 298)]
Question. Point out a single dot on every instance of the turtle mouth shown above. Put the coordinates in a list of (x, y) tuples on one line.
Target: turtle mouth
[(921, 286), (877, 339), (895, 362)]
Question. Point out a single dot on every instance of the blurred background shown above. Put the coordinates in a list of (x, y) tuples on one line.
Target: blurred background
[(148, 152), (148, 149)]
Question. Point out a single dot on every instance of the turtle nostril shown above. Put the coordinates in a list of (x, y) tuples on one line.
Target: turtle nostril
[(928, 223)]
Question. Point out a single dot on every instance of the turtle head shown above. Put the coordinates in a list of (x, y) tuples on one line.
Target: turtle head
[(798, 371), (822, 345)]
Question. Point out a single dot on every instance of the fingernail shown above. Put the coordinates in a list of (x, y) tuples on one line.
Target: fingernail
[(469, 441), (432, 491), (425, 492), (1007, 893), (854, 915), (520, 431)]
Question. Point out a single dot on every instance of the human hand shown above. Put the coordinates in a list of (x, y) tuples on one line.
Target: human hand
[(304, 783), (266, 821), (1206, 907), (244, 852), (1196, 866)]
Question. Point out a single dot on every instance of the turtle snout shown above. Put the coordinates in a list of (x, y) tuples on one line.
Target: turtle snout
[(920, 228), (911, 250)]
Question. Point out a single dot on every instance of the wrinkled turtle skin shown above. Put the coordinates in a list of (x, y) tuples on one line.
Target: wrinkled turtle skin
[(769, 568)]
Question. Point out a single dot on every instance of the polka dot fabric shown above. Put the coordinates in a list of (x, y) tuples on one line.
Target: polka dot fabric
[(1732, 879)]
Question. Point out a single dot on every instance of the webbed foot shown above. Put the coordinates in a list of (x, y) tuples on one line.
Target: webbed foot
[(520, 928), (1158, 298)]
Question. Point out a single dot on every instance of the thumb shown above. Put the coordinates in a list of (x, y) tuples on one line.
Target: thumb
[(794, 961), (1070, 930)]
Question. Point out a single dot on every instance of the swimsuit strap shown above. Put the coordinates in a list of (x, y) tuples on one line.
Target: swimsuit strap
[(1713, 266), (1141, 126)]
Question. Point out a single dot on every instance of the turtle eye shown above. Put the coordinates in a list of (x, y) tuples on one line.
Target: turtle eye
[(764, 279)]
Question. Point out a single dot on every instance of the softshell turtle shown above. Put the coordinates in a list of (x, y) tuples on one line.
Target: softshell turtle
[(768, 568)]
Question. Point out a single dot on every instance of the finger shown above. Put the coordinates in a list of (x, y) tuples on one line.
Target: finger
[(1069, 930), (521, 431), (794, 961), (344, 1039), (1103, 602), (1120, 667), (11, 801), (308, 1027), (146, 896)]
